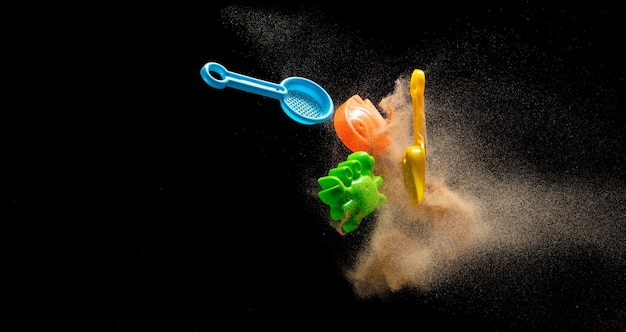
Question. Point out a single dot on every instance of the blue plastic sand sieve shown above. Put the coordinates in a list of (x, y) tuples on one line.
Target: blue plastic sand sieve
[(302, 99)]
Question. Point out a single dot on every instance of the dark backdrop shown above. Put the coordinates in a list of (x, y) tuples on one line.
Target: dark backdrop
[(141, 199)]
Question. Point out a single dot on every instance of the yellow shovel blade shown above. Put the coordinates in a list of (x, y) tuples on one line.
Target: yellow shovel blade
[(414, 172), (414, 161)]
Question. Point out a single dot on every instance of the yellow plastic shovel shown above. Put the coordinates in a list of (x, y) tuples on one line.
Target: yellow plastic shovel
[(414, 161)]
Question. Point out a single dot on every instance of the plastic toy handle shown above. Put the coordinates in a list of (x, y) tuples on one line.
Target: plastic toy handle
[(418, 82), (240, 82)]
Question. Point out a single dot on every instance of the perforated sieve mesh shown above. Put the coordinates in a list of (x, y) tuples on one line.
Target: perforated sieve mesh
[(303, 104)]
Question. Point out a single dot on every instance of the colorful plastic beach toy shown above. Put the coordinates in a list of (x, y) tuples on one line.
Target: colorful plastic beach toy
[(351, 191), (360, 126), (302, 100), (414, 161)]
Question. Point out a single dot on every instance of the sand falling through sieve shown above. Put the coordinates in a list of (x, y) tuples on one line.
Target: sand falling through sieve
[(303, 100)]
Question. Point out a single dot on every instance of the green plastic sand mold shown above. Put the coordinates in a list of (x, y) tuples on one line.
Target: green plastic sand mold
[(351, 191)]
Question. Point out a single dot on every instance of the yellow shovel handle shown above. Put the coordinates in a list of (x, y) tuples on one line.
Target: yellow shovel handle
[(418, 81)]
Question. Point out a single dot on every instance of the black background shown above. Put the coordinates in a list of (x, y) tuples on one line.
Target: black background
[(140, 199)]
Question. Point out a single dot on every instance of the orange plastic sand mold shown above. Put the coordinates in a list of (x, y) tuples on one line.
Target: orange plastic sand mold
[(360, 126)]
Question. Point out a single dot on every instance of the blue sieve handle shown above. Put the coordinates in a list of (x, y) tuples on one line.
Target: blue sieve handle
[(240, 82)]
